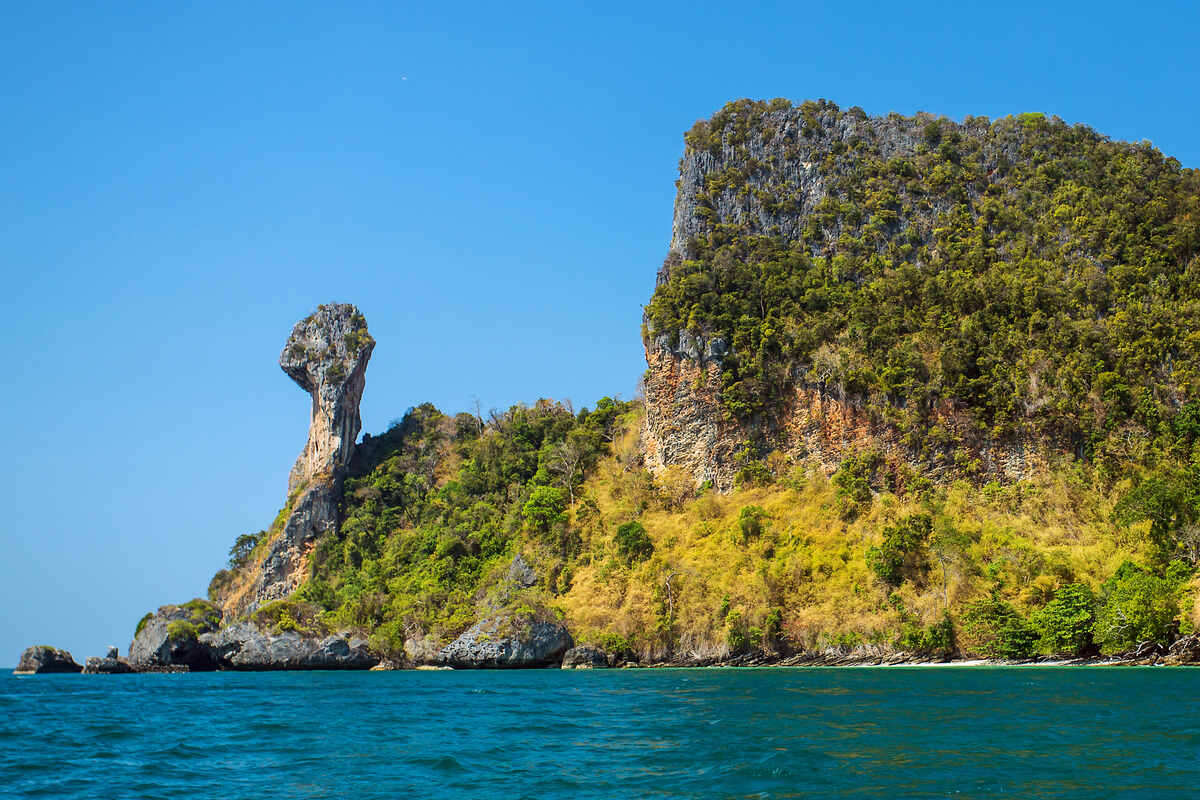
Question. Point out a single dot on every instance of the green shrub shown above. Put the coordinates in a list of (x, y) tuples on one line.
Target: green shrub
[(934, 639), (736, 635), (994, 629), (291, 615), (633, 543), (203, 613), (750, 521), (853, 482), (182, 631)]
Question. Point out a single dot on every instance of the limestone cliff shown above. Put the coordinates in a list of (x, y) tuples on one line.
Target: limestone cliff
[(792, 175), (326, 355)]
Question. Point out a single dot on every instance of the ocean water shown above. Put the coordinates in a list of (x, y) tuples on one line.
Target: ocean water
[(817, 732)]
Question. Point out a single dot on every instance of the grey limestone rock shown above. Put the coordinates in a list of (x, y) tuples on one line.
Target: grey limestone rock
[(170, 637), (787, 165), (42, 659), (242, 646), (506, 641), (327, 356), (314, 512), (421, 650), (585, 656), (520, 574), (109, 665)]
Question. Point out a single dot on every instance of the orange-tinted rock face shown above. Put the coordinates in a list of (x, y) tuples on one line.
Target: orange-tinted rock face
[(686, 426)]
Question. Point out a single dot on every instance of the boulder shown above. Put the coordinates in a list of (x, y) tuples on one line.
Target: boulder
[(506, 641), (170, 637), (42, 659), (109, 665), (520, 574), (243, 646), (585, 656), (421, 650), (112, 652)]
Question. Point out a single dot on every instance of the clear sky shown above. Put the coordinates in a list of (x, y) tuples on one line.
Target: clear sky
[(491, 184)]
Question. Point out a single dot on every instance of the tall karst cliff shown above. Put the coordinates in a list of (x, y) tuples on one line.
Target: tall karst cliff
[(326, 355), (942, 298)]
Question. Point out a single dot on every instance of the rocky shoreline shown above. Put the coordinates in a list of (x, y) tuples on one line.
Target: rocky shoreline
[(242, 647)]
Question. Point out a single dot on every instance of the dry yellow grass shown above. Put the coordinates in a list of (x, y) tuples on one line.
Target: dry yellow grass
[(1027, 539)]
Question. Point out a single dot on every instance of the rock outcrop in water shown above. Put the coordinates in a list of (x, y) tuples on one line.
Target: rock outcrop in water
[(42, 659), (189, 637), (242, 646), (505, 641), (326, 355), (170, 637), (110, 664), (585, 656)]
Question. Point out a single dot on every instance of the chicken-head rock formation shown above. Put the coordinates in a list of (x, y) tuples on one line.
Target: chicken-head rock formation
[(326, 355)]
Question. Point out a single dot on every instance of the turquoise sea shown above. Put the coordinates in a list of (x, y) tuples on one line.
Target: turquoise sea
[(818, 732)]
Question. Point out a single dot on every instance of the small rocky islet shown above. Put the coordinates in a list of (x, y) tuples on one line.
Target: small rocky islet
[(904, 404)]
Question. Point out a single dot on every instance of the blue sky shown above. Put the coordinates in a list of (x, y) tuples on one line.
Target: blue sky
[(492, 186)]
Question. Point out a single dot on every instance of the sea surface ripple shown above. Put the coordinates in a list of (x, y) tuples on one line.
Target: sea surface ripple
[(740, 733)]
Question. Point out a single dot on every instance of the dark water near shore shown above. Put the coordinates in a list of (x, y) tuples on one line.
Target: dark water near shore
[(900, 732)]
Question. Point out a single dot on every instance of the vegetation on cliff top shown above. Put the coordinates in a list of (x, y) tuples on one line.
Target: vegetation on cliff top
[(1036, 273)]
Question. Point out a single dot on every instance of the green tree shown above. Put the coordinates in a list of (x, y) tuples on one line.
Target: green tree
[(1137, 607), (1169, 500), (904, 552), (1064, 625), (545, 508), (751, 520), (994, 629), (243, 546)]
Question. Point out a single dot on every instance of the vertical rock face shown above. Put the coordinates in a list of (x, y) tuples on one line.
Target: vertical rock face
[(327, 355), (684, 424)]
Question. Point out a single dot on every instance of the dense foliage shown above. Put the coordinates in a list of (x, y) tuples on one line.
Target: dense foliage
[(1037, 273), (436, 506)]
